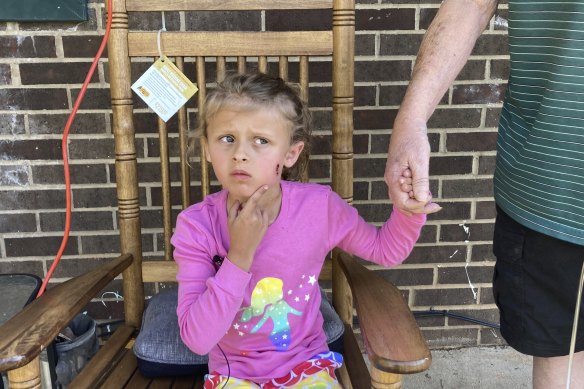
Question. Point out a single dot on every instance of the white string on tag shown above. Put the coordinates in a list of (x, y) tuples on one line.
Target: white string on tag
[(158, 37)]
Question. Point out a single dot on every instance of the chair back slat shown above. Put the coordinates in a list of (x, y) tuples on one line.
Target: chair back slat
[(283, 67), (303, 78), (202, 85), (224, 5), (183, 140), (221, 68), (241, 65), (165, 180), (303, 81), (211, 44), (263, 64)]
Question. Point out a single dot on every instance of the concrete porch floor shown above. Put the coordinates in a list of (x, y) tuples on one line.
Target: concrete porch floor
[(474, 368)]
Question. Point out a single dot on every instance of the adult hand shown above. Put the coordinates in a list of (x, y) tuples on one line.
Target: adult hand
[(409, 149), (247, 225)]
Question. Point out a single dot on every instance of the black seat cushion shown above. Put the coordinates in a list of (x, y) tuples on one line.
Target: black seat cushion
[(160, 351)]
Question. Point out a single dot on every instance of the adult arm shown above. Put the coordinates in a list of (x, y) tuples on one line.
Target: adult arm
[(443, 52)]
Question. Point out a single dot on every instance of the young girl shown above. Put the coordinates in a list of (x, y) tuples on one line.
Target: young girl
[(250, 255)]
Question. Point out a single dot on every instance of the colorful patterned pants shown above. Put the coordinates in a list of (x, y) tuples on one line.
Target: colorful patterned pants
[(316, 373)]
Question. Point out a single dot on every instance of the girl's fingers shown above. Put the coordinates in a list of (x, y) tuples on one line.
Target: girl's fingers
[(253, 199), (233, 211)]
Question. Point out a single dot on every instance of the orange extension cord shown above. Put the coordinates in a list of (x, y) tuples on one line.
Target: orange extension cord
[(66, 156)]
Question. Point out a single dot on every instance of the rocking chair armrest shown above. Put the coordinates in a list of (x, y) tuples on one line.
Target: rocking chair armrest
[(393, 341), (30, 331)]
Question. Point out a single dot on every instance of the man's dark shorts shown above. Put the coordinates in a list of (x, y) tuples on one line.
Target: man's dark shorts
[(535, 286)]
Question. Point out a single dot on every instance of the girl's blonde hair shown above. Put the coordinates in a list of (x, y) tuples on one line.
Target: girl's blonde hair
[(259, 90)]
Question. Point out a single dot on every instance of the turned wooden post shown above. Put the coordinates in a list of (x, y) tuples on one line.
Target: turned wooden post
[(126, 163), (26, 377), (342, 148), (342, 129), (383, 380)]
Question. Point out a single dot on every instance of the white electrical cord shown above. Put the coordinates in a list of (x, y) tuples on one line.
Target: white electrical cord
[(158, 36), (575, 329)]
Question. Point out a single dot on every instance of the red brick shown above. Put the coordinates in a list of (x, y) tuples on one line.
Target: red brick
[(374, 119), (485, 210), (468, 232), (385, 19), (487, 315), (5, 74), (467, 188), (471, 141), (55, 73), (14, 175), (443, 297), (54, 123), (146, 21), (438, 254), (27, 47), (408, 277), (11, 124), (20, 222), (299, 20), (32, 267), (397, 70), (491, 44), (458, 275), (449, 165), (478, 93), (30, 149), (38, 246), (459, 210), (81, 221), (34, 99), (31, 199), (223, 20), (84, 46), (482, 252), (455, 118)]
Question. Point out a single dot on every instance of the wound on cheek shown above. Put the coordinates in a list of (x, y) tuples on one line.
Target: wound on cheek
[(277, 169)]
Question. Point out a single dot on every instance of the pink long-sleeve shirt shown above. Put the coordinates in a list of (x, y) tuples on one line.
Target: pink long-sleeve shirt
[(267, 320)]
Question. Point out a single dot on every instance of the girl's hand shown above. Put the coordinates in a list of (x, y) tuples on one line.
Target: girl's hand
[(247, 226), (409, 150), (406, 187), (405, 183)]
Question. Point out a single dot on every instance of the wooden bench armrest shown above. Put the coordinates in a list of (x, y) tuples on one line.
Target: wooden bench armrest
[(30, 331), (393, 341)]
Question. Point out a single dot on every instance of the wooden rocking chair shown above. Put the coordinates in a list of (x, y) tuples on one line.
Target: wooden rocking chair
[(392, 340)]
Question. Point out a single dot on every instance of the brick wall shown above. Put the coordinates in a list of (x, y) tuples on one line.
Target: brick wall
[(42, 66)]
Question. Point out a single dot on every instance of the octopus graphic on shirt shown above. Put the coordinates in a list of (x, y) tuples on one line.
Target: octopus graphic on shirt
[(267, 302)]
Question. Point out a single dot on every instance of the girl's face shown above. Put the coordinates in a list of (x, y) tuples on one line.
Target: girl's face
[(248, 148)]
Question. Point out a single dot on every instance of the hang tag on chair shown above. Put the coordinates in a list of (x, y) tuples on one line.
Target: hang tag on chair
[(164, 88)]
